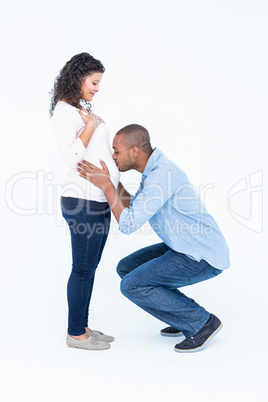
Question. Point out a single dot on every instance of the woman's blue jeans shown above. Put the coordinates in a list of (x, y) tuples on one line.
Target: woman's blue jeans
[(151, 278), (89, 223)]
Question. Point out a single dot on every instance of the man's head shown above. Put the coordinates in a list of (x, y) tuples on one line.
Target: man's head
[(132, 148)]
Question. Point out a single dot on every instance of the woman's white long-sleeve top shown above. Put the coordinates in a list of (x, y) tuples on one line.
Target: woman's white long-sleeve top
[(68, 125)]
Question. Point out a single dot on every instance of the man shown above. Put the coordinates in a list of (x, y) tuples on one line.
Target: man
[(193, 247)]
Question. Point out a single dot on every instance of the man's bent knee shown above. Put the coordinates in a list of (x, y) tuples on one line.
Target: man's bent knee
[(121, 268), (126, 286)]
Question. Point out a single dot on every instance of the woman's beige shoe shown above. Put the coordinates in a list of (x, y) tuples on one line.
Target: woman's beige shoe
[(91, 343), (101, 336)]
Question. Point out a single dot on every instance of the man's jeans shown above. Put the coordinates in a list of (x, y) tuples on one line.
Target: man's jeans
[(89, 224), (150, 278)]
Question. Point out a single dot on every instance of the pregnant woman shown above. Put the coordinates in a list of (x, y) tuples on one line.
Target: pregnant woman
[(82, 135)]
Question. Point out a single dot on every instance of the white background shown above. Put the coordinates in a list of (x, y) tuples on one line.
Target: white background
[(195, 74)]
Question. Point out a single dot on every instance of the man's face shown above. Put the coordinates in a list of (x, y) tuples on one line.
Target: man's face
[(122, 155)]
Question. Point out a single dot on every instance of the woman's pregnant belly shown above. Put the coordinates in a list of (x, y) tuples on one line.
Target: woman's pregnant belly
[(99, 148)]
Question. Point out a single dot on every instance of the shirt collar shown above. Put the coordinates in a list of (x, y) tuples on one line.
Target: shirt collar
[(151, 161)]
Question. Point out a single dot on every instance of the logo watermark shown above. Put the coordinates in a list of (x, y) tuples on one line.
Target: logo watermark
[(46, 193), (249, 190)]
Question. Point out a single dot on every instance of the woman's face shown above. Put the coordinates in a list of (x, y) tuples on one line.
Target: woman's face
[(90, 86)]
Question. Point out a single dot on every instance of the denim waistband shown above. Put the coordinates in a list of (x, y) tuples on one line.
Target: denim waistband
[(72, 203)]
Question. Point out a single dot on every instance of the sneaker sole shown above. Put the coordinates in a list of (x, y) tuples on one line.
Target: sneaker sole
[(172, 335), (202, 346), (75, 347)]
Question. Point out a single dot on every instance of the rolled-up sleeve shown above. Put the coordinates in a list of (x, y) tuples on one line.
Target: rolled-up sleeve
[(122, 225)]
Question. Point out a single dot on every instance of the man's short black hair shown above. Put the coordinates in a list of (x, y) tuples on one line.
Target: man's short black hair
[(136, 135)]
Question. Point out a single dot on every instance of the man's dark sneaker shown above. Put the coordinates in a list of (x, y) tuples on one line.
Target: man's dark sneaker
[(198, 341), (170, 331)]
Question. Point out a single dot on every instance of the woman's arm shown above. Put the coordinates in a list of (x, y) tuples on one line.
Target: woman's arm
[(66, 125), (92, 121), (87, 133)]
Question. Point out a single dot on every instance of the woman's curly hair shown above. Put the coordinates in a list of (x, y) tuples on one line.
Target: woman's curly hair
[(68, 83)]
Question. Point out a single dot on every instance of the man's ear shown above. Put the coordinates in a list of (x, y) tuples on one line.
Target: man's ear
[(135, 151)]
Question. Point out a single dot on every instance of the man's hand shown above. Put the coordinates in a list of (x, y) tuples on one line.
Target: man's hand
[(90, 172), (101, 178)]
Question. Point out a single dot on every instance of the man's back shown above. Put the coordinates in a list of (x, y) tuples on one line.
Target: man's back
[(175, 212)]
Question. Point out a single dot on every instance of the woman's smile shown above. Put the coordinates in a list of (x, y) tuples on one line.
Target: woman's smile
[(90, 86)]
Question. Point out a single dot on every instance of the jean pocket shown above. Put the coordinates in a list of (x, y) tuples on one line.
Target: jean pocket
[(207, 273), (201, 276)]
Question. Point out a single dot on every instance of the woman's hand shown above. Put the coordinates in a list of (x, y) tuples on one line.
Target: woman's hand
[(91, 118)]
